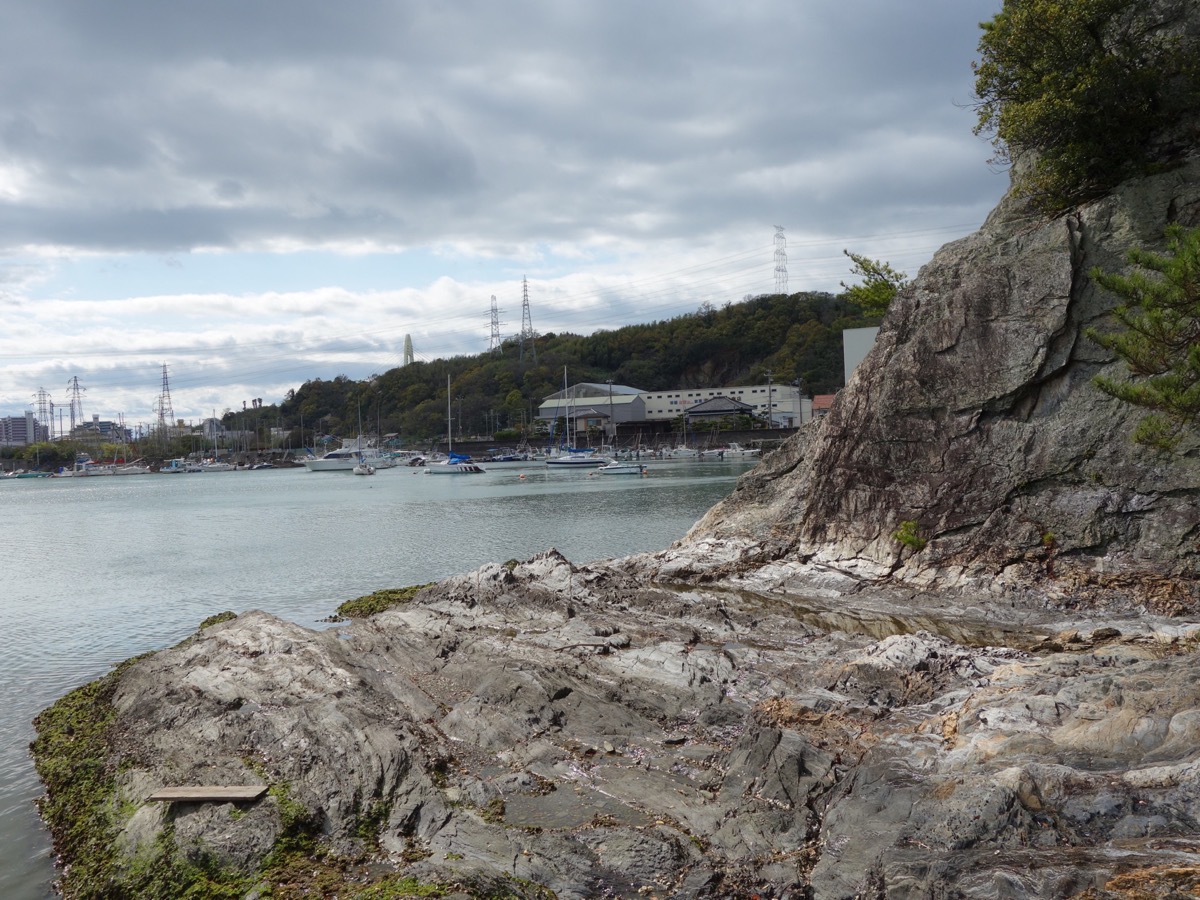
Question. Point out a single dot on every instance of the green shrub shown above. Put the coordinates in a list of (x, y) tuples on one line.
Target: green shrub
[(909, 535)]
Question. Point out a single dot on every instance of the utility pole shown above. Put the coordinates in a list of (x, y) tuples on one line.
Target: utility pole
[(770, 419), (612, 422)]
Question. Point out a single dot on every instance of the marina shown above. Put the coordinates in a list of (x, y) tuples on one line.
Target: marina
[(101, 569)]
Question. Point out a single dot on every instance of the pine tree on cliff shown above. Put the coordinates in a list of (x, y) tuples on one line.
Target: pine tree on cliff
[(1160, 343)]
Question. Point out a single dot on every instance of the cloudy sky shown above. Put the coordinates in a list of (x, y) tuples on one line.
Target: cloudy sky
[(256, 194)]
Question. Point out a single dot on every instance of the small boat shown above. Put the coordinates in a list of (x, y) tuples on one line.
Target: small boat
[(577, 459), (216, 465), (730, 451), (134, 468), (176, 466), (84, 466), (454, 463), (363, 467), (623, 468), (345, 457)]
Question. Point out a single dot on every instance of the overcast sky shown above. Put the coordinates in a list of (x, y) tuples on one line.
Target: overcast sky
[(257, 194)]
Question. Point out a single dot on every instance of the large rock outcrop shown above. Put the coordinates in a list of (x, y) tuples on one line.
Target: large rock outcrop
[(974, 416)]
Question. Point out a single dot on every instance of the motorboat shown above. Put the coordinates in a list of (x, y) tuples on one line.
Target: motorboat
[(578, 459), (345, 457), (176, 466), (450, 467), (623, 468), (729, 451), (85, 466), (455, 464)]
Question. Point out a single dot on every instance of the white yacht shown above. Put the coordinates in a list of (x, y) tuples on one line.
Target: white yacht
[(347, 456)]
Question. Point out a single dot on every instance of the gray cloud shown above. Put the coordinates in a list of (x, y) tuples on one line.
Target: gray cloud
[(507, 139), (227, 124)]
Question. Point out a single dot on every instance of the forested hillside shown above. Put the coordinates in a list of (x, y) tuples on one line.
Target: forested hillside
[(795, 338)]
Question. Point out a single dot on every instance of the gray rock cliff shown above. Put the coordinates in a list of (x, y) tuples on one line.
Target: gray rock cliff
[(975, 417)]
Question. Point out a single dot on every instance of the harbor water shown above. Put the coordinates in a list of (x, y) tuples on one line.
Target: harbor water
[(99, 569)]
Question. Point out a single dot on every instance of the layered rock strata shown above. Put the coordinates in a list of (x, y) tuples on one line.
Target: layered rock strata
[(551, 728)]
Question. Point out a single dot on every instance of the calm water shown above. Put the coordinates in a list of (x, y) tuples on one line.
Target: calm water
[(99, 569)]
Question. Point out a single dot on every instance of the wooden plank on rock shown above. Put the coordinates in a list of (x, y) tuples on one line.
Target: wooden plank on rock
[(197, 793)]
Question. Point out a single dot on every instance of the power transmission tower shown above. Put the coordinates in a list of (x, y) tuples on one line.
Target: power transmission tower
[(494, 343), (780, 261), (166, 412), (75, 396), (408, 350), (527, 332), (45, 411)]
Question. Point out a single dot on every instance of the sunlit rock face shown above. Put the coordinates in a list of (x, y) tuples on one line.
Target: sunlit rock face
[(975, 418)]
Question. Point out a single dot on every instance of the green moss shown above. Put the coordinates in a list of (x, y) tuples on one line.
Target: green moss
[(378, 601), (371, 822), (81, 807), (165, 873), (494, 811), (397, 887), (218, 618)]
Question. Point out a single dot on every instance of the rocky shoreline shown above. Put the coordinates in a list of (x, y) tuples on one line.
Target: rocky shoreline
[(541, 729)]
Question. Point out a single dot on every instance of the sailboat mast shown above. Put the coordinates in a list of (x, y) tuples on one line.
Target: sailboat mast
[(449, 421)]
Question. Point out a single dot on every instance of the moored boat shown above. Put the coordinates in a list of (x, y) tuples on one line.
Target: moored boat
[(345, 457), (623, 468), (729, 451)]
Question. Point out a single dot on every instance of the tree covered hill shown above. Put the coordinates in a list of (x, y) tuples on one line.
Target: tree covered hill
[(795, 337)]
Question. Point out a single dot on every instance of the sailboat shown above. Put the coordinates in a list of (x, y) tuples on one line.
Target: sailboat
[(574, 457), (454, 463), (138, 466)]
